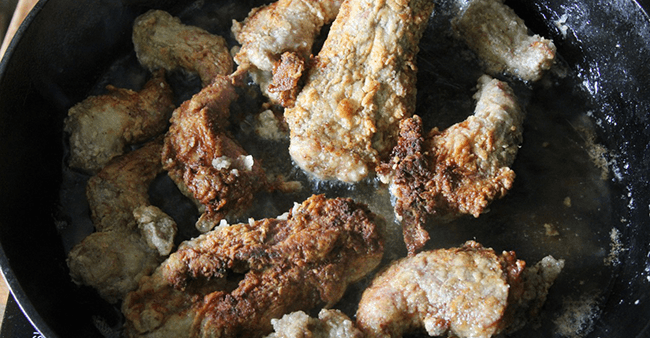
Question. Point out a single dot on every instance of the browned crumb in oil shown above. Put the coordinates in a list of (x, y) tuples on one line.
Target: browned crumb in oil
[(551, 230)]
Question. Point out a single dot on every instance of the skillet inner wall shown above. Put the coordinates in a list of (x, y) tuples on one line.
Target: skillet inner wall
[(547, 172)]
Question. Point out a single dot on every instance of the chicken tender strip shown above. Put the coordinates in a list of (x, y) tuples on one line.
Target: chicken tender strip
[(457, 171), (329, 324), (361, 86), (114, 258), (464, 292), (205, 161), (285, 26), (102, 126), (162, 41), (500, 39), (293, 264)]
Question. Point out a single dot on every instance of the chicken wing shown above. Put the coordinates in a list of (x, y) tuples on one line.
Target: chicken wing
[(127, 244), (288, 264), (102, 126), (500, 39), (362, 84), (285, 27), (467, 292), (205, 161), (329, 324), (162, 41), (457, 171)]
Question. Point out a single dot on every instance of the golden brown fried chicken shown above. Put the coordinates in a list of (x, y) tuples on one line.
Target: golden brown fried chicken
[(285, 26), (457, 171), (205, 161), (162, 41), (298, 263), (362, 84), (500, 38), (102, 126), (329, 324), (466, 292), (128, 242)]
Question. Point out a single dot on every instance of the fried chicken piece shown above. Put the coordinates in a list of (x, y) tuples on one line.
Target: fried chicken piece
[(500, 39), (122, 186), (285, 26), (205, 161), (346, 117), (102, 126), (112, 262), (289, 264), (466, 292), (457, 171), (330, 324), (114, 258), (162, 41)]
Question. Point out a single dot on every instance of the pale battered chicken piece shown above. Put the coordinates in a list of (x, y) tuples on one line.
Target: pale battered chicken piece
[(457, 171), (298, 263), (501, 41), (465, 292), (162, 41), (112, 262), (329, 324), (113, 259), (205, 161), (122, 186), (361, 86), (285, 26), (102, 126)]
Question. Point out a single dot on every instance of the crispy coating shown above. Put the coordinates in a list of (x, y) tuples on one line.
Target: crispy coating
[(205, 161), (329, 324), (102, 126), (500, 39), (270, 31), (162, 41), (361, 85), (465, 292), (113, 259), (298, 263), (287, 73), (457, 171)]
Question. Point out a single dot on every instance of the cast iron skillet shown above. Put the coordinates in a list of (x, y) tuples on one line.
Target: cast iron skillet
[(64, 46)]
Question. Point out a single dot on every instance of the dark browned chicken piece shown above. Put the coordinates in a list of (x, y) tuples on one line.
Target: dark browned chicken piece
[(132, 236), (162, 41), (205, 161), (501, 41), (284, 26), (298, 263), (102, 126), (346, 118), (464, 292), (458, 171)]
